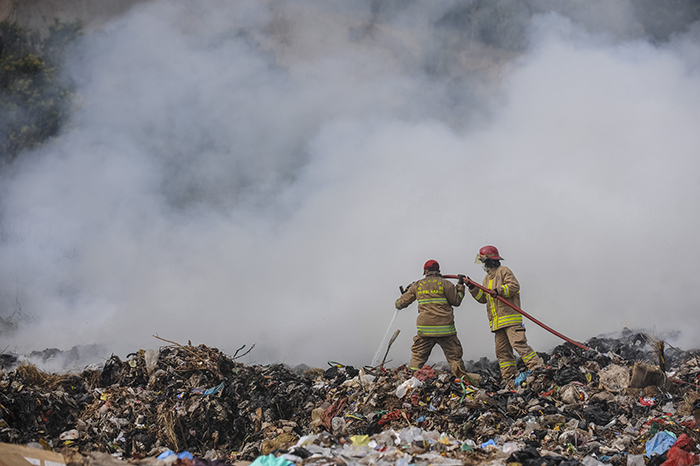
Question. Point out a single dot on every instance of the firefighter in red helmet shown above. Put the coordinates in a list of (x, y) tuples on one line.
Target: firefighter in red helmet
[(505, 323), (436, 325)]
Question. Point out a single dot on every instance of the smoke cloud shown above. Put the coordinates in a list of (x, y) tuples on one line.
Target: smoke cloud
[(268, 173)]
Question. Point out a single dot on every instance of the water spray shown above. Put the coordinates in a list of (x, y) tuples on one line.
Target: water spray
[(375, 359)]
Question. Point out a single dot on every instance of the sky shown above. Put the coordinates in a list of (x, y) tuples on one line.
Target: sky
[(269, 173)]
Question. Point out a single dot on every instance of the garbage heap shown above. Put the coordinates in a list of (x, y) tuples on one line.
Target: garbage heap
[(624, 401)]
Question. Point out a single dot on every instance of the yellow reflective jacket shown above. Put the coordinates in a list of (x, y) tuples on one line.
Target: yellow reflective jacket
[(504, 282), (436, 296)]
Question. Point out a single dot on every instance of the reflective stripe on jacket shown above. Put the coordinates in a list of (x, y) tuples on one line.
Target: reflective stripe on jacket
[(504, 282), (436, 296)]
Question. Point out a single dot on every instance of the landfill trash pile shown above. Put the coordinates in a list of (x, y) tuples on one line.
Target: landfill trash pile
[(630, 400)]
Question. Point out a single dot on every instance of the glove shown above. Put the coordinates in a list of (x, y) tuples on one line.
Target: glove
[(461, 279), (470, 285), (494, 292)]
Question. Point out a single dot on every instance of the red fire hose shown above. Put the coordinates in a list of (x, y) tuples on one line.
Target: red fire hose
[(505, 301)]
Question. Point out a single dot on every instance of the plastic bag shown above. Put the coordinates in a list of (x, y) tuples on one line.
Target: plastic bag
[(592, 461), (521, 378), (488, 443), (510, 447), (660, 444), (679, 457), (271, 460), (408, 386), (151, 356)]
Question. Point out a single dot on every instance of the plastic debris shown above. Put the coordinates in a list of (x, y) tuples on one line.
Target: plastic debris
[(521, 378), (271, 460), (660, 443), (199, 401), (408, 386)]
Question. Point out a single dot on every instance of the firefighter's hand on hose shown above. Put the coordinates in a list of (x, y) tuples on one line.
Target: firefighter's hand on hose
[(470, 285), (461, 279), (494, 292)]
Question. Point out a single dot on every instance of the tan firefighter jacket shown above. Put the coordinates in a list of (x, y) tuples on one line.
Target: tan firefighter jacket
[(436, 296), (504, 282)]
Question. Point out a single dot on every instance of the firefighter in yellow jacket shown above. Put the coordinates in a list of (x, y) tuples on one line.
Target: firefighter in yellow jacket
[(506, 323), (436, 324)]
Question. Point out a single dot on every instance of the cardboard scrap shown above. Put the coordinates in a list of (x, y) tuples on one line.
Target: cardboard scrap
[(20, 455)]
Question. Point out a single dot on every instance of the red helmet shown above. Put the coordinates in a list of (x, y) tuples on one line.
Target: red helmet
[(432, 265), (488, 252)]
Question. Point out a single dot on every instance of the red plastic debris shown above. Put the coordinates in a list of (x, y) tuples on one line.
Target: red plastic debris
[(393, 416)]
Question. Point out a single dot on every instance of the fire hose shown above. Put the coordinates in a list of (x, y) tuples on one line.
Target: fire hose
[(506, 302)]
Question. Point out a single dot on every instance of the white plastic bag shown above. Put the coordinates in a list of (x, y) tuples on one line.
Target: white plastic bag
[(408, 387)]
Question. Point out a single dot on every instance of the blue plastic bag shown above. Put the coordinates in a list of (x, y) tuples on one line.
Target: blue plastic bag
[(486, 444), (165, 454), (521, 377), (660, 444), (183, 455)]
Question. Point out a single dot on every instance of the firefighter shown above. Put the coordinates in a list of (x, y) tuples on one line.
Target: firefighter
[(506, 323), (436, 321)]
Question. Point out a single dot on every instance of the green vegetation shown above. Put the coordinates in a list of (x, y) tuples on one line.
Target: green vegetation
[(34, 102)]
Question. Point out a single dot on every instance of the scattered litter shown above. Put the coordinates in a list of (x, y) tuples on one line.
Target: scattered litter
[(187, 405)]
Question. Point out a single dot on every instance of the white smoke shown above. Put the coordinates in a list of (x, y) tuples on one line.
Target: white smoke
[(269, 173)]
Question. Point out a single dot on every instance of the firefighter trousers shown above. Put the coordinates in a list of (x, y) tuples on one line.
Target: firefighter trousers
[(451, 346), (509, 339)]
